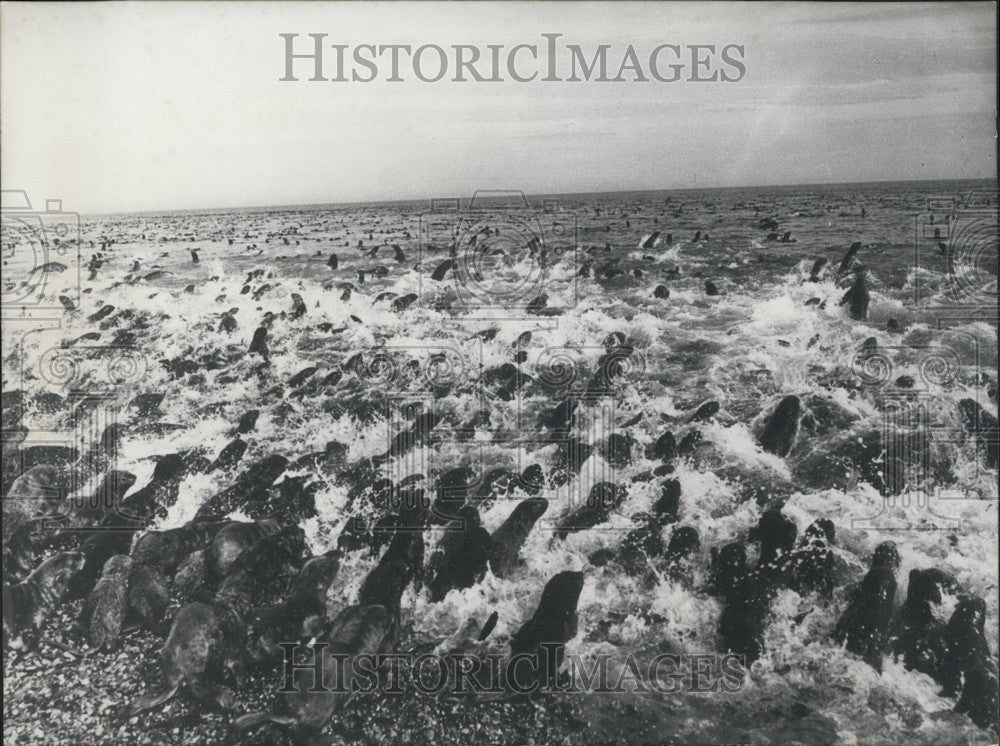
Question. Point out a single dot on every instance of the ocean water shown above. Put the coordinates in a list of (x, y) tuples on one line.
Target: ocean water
[(596, 259)]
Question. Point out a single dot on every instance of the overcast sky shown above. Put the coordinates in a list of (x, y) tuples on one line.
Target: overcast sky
[(121, 106)]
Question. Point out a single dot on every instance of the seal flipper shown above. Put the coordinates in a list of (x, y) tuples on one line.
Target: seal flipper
[(252, 720), (211, 692), (149, 701)]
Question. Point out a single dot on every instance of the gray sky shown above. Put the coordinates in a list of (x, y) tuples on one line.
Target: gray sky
[(122, 106)]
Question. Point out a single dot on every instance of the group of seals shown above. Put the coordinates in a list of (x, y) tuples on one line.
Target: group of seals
[(225, 569)]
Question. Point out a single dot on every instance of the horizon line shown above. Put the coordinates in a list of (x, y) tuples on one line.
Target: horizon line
[(310, 205)]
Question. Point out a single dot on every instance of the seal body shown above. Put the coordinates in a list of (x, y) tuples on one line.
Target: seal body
[(401, 564), (745, 613), (919, 636), (782, 427), (863, 628), (283, 621), (204, 639), (461, 556), (148, 598), (303, 710), (966, 646), (106, 606), (507, 540), (809, 568), (27, 604), (857, 298), (543, 637)]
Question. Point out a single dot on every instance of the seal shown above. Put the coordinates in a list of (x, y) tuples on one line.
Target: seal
[(442, 269), (979, 695), (776, 534), (857, 298), (968, 666), (283, 621), (258, 345), (33, 496), (400, 564), (21, 548), (864, 625), (385, 584), (667, 507), (603, 498), (165, 550), (507, 540), (918, 635), (461, 556), (106, 499), (248, 421), (553, 624), (745, 612), (684, 542), (706, 411), (781, 427), (230, 455), (275, 556), (809, 568), (207, 638), (561, 418), (727, 566), (817, 268), (302, 710), (664, 449), (148, 598), (229, 544), (403, 302), (152, 500), (105, 608), (39, 490), (848, 261), (453, 487), (190, 577), (618, 450), (984, 426), (27, 604), (204, 640), (966, 645), (249, 489)]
